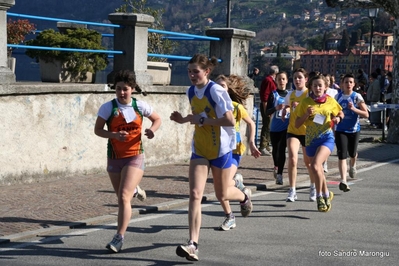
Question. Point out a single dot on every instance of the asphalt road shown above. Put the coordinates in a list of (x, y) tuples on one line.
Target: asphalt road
[(361, 229)]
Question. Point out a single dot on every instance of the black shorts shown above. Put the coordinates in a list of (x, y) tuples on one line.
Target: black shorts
[(346, 143), (301, 138)]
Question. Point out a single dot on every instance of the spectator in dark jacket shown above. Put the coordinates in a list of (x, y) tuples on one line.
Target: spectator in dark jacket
[(266, 88)]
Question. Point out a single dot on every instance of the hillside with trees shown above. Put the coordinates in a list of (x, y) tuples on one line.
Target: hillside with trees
[(284, 22)]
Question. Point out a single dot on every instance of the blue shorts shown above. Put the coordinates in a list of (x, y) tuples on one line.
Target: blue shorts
[(326, 140), (236, 159), (222, 162)]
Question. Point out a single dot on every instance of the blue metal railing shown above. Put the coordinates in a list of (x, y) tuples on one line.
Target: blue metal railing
[(179, 36), (63, 49)]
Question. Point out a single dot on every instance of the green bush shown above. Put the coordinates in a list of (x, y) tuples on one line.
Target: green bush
[(77, 63)]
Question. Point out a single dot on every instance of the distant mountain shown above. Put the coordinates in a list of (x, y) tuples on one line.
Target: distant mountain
[(88, 10), (272, 20), (287, 22)]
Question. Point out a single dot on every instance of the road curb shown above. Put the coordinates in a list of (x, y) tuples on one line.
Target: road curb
[(165, 206)]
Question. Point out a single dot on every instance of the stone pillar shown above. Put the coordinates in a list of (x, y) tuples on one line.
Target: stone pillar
[(233, 49), (132, 39), (6, 75)]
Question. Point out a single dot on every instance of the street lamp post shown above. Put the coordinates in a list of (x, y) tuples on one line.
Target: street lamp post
[(228, 13), (372, 15)]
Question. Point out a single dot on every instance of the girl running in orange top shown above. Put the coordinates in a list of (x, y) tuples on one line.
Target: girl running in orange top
[(124, 118)]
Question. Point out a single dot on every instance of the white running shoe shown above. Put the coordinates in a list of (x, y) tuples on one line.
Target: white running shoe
[(279, 179), (140, 194), (228, 223), (189, 251), (325, 167), (291, 196), (312, 194), (352, 172), (116, 243), (239, 181)]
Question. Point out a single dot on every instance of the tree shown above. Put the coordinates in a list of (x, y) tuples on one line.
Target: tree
[(325, 39), (354, 38), (392, 7), (17, 31), (344, 45), (315, 43), (156, 43)]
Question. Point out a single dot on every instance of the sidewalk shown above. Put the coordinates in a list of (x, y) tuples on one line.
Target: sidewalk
[(29, 210)]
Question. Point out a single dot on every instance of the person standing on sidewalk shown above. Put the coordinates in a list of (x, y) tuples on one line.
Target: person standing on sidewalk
[(238, 93), (266, 88), (278, 126), (347, 132), (373, 96), (296, 136), (213, 141), (319, 112), (125, 166)]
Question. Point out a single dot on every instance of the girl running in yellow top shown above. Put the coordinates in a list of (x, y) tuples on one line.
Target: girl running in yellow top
[(213, 142), (238, 92), (296, 136), (319, 112)]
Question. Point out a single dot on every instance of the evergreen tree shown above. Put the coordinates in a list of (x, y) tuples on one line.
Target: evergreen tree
[(278, 51), (354, 38), (325, 39), (156, 43), (344, 45)]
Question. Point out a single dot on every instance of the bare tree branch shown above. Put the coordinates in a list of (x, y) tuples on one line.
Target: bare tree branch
[(390, 6)]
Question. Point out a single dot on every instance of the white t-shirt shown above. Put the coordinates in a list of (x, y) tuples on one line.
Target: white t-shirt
[(106, 109)]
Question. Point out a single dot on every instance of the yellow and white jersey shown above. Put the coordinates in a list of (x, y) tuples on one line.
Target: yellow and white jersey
[(211, 101)]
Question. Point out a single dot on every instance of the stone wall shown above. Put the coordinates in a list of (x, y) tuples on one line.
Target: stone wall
[(47, 130)]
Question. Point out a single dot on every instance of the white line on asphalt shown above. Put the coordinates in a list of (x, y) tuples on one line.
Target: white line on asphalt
[(153, 216), (79, 232)]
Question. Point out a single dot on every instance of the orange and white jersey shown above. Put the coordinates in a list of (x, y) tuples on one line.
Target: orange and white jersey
[(115, 115)]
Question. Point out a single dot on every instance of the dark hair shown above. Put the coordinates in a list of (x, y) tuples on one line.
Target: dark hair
[(282, 73), (389, 74), (301, 70), (349, 75), (203, 61), (319, 76), (374, 75), (128, 77)]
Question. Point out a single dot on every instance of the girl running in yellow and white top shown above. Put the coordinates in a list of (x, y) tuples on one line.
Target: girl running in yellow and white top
[(319, 112), (213, 142)]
